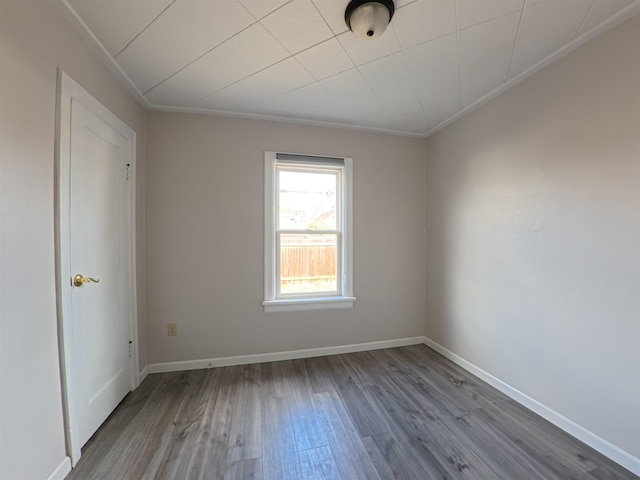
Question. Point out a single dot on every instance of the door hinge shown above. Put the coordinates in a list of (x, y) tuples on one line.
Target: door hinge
[(128, 166), (130, 346)]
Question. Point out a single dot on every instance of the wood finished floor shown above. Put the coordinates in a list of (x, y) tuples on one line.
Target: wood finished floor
[(402, 413)]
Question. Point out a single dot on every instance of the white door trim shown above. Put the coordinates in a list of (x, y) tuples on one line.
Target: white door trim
[(68, 89)]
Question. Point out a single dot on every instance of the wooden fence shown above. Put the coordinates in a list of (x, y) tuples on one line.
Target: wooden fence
[(307, 267)]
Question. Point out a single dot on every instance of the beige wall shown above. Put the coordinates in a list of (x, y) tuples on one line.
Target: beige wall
[(205, 184), (34, 40), (533, 248)]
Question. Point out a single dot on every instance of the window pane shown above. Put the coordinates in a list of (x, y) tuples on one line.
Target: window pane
[(307, 200), (308, 263)]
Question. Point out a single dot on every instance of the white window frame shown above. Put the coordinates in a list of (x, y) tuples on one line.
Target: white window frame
[(290, 303)]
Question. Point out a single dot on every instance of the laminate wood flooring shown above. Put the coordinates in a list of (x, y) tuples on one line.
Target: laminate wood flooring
[(403, 413)]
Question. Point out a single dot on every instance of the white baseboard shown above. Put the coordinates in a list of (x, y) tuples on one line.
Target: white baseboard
[(143, 374), (277, 356), (596, 442), (62, 471)]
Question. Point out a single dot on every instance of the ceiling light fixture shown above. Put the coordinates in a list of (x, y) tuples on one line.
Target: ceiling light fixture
[(368, 19)]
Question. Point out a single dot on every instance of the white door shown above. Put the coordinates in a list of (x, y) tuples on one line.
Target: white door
[(100, 325), (95, 260)]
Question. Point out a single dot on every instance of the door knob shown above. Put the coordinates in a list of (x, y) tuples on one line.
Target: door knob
[(79, 280)]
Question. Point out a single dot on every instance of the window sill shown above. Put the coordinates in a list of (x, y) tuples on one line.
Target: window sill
[(302, 304)]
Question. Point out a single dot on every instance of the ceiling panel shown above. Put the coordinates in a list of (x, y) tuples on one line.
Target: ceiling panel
[(544, 28), (297, 58), (424, 20), (262, 8), (485, 54), (333, 13), (600, 11), (345, 83), (205, 76), (487, 39), (551, 17), (399, 100), (294, 101), (391, 69), (433, 56), (527, 54), (256, 48), (473, 12), (115, 24), (218, 20), (172, 93), (297, 26), (480, 78), (145, 75), (363, 108), (287, 75), (362, 51), (241, 95), (438, 107), (325, 59), (417, 124), (170, 42)]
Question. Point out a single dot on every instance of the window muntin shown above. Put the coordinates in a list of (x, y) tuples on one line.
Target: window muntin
[(308, 244)]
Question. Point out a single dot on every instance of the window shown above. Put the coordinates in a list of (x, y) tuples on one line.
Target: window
[(308, 232)]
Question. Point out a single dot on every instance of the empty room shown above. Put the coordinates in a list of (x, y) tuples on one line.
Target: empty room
[(343, 239)]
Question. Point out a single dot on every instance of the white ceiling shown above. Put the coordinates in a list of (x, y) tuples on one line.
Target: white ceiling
[(296, 59)]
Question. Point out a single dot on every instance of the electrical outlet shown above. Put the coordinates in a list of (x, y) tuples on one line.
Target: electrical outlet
[(172, 329)]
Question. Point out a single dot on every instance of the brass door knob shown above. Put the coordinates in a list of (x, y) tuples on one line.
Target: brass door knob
[(79, 280)]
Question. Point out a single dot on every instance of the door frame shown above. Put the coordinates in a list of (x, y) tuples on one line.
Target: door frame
[(68, 90)]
